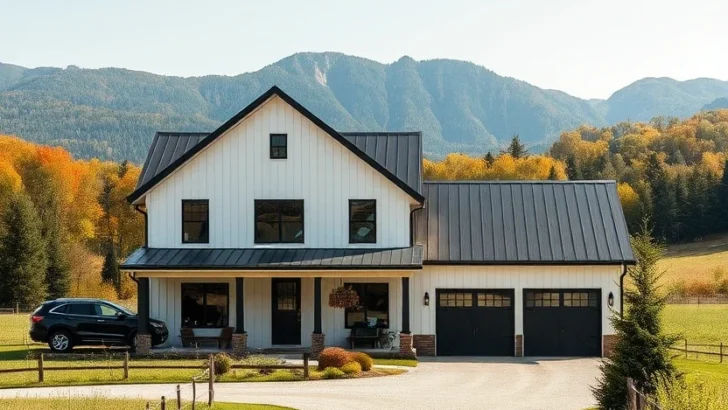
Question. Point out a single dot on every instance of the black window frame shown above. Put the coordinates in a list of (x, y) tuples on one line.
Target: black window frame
[(366, 318), (352, 238), (206, 202), (226, 316), (278, 148), (279, 203)]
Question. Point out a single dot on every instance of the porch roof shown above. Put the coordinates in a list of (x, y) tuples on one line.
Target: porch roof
[(274, 259)]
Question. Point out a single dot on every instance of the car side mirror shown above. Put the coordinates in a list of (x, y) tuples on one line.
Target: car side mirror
[(120, 316)]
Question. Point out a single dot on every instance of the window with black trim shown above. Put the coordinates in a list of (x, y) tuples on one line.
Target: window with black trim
[(279, 221), (205, 304), (362, 221), (278, 146), (195, 221), (580, 299), (493, 300), (456, 299), (542, 299), (373, 308)]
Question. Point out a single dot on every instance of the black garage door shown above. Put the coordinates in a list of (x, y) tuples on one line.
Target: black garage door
[(562, 322), (476, 322)]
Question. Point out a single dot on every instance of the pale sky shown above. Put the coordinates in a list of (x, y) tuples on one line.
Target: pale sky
[(583, 47)]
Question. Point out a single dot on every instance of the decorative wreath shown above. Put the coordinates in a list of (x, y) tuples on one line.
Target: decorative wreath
[(343, 297)]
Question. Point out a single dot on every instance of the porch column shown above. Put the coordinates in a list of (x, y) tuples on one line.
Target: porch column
[(317, 338), (405, 336), (143, 338), (240, 338)]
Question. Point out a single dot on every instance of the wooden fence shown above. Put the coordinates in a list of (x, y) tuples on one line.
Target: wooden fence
[(697, 300), (636, 400), (126, 365), (718, 350)]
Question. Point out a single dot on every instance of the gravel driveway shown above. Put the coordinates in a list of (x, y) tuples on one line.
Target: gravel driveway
[(438, 383)]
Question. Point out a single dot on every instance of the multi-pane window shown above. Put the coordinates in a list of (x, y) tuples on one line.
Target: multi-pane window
[(195, 221), (493, 300), (286, 299), (362, 221), (580, 299), (278, 146), (205, 304), (278, 221), (452, 299), (373, 308), (542, 299)]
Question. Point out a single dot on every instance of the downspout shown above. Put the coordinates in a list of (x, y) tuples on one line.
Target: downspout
[(412, 223), (621, 291), (138, 208), (132, 276)]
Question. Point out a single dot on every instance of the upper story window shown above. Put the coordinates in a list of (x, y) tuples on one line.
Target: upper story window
[(279, 221), (278, 146), (362, 221), (195, 221)]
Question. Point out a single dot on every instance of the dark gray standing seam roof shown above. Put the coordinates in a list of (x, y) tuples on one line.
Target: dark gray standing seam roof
[(534, 222), (398, 152), (280, 259), (165, 149)]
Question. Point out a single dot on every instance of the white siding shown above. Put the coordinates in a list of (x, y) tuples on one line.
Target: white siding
[(518, 278), (236, 169)]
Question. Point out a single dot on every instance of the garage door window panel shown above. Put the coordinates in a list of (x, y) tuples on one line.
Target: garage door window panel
[(456, 299), (542, 299), (493, 300)]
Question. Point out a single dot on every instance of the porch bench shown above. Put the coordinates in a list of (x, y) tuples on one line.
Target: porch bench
[(187, 334), (364, 334)]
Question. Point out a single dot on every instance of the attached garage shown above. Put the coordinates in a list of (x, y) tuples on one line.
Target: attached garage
[(562, 322), (475, 322)]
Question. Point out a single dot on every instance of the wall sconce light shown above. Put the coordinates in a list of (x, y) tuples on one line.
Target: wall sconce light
[(427, 299), (610, 299)]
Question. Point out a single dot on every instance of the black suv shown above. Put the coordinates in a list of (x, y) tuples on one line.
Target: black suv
[(64, 323)]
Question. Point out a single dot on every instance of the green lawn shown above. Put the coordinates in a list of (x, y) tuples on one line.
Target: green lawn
[(100, 403), (698, 323), (14, 329), (396, 362)]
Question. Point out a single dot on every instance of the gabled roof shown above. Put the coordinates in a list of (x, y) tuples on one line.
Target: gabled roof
[(175, 160), (280, 259), (526, 223), (166, 148)]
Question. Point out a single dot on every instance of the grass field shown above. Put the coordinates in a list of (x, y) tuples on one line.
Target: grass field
[(100, 403), (695, 261), (698, 323)]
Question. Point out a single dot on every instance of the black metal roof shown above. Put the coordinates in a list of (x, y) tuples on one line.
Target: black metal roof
[(534, 222), (278, 259), (166, 148), (158, 152), (399, 152)]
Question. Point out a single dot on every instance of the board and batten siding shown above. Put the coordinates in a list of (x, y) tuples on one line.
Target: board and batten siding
[(433, 277), (236, 169), (166, 305)]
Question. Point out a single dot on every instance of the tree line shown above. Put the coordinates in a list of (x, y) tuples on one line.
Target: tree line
[(669, 170), (58, 216)]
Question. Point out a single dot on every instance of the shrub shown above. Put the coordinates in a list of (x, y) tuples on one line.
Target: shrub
[(333, 373), (223, 363), (333, 357), (351, 368), (364, 360)]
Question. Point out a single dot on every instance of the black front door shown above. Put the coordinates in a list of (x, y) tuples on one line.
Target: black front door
[(286, 311)]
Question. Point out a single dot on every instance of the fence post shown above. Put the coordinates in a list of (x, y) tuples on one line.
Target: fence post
[(194, 394), (40, 368), (148, 406), (211, 392), (305, 366), (686, 348), (631, 395), (721, 352), (179, 398), (126, 365), (163, 404)]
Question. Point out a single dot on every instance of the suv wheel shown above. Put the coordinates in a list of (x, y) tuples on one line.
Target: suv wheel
[(60, 341)]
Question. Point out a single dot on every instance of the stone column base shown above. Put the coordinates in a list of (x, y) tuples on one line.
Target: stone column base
[(317, 344), (143, 344), (240, 344), (519, 345), (609, 343), (405, 345), (424, 345)]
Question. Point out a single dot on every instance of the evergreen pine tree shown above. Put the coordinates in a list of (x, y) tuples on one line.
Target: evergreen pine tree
[(489, 159), (123, 168), (681, 207), (572, 170), (722, 200), (553, 176), (515, 148), (110, 271), (641, 352), (606, 169), (664, 207), (23, 259)]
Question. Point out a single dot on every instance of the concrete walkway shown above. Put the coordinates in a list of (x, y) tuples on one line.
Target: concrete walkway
[(440, 383)]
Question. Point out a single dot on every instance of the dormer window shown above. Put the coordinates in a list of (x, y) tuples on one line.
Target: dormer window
[(278, 146)]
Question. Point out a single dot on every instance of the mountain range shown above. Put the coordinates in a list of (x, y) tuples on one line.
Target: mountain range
[(112, 113)]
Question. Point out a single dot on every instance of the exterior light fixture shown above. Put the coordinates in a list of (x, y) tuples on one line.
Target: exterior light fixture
[(427, 299), (610, 299)]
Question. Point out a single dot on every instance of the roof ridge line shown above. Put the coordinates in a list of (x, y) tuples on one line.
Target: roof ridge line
[(529, 181)]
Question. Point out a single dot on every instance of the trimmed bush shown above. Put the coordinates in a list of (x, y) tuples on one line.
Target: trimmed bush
[(351, 368), (223, 363), (364, 360), (333, 373), (333, 357)]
